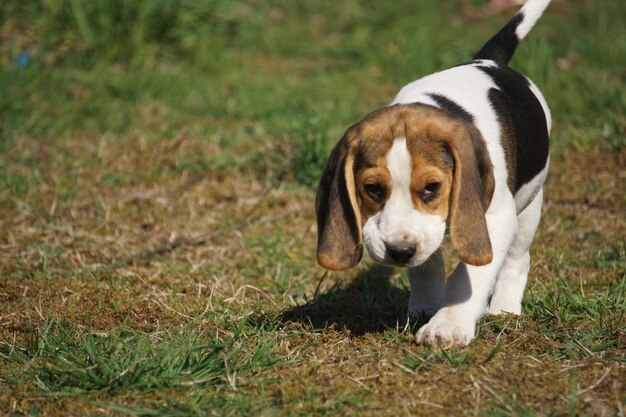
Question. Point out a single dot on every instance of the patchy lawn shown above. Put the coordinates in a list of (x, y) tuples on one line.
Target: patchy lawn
[(157, 235)]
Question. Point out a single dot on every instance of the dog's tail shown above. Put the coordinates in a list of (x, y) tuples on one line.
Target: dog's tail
[(501, 47)]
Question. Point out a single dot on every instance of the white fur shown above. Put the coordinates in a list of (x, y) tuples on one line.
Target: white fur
[(532, 10), (509, 289), (485, 63), (399, 222), (468, 290), (469, 287), (526, 194)]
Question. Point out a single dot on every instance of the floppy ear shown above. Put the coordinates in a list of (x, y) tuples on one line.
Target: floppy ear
[(339, 240), (472, 189)]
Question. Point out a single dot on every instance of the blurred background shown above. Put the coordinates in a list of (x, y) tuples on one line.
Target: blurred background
[(254, 74)]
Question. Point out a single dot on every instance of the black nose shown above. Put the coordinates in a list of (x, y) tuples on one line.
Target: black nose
[(401, 254)]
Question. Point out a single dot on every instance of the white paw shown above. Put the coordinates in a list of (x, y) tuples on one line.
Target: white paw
[(444, 331)]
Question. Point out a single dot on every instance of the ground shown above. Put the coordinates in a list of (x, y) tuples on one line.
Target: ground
[(158, 168)]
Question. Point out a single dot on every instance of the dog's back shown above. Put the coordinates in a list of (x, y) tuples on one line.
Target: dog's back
[(507, 107)]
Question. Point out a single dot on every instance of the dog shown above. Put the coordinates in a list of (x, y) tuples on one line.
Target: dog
[(463, 151)]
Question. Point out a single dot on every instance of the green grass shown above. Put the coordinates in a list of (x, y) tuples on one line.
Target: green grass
[(128, 126), (159, 372), (68, 363), (584, 323)]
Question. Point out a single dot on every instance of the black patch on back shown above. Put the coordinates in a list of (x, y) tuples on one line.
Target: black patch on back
[(452, 108), (502, 46), (523, 124)]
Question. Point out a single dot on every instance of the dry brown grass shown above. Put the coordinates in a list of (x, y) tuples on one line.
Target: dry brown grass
[(161, 250)]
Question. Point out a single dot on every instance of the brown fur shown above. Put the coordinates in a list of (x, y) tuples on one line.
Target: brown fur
[(339, 245), (471, 194), (510, 151), (443, 149)]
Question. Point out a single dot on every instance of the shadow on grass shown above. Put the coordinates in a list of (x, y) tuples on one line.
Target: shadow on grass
[(368, 304)]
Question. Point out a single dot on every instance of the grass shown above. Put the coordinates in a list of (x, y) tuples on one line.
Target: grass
[(158, 162), (75, 364), (64, 361)]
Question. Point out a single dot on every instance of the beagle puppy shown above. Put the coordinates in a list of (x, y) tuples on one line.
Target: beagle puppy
[(464, 150)]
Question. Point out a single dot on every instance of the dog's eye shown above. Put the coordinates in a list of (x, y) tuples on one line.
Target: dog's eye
[(375, 192), (430, 191)]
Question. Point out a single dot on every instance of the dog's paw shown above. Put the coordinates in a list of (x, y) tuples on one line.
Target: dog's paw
[(443, 330)]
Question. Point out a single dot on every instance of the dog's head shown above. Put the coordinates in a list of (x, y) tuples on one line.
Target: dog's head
[(395, 180)]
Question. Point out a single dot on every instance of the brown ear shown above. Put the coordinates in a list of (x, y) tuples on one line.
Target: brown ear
[(339, 241), (472, 189)]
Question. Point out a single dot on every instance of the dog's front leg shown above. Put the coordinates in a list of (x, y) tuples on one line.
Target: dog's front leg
[(469, 287), (428, 286)]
